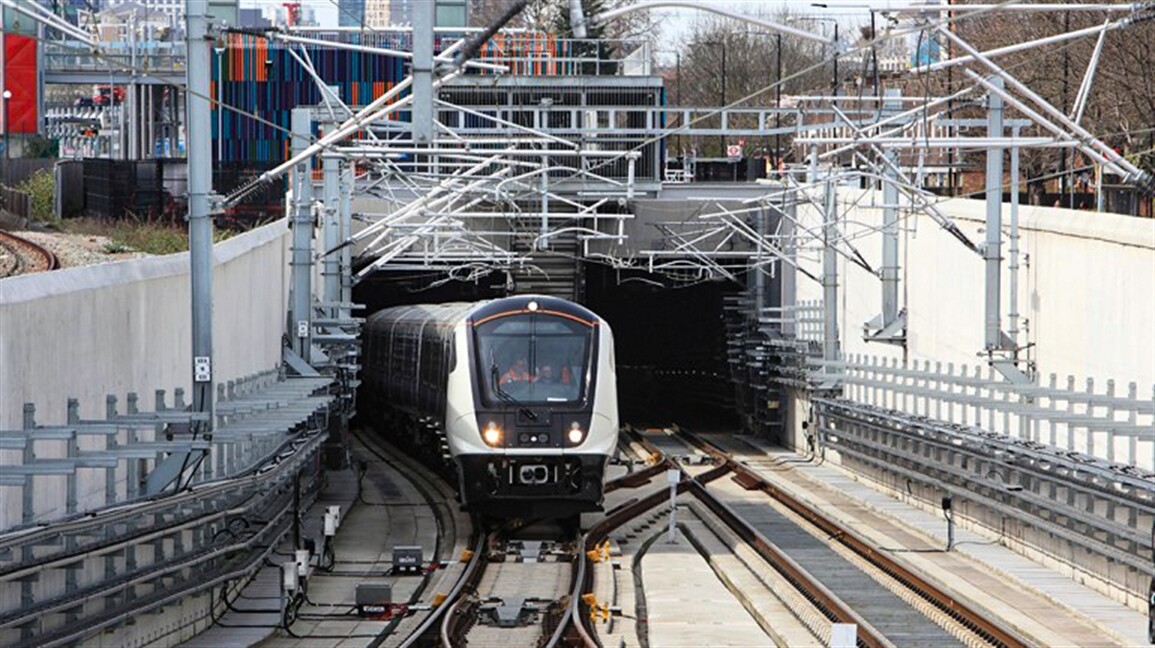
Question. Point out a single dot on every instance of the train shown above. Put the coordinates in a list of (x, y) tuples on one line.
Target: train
[(518, 393)]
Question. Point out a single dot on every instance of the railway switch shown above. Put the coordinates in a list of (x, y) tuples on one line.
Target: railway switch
[(511, 612)]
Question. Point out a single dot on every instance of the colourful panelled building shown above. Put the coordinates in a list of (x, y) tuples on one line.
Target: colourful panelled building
[(264, 82), (262, 78)]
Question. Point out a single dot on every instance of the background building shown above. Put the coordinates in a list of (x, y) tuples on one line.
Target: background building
[(351, 13), (377, 13)]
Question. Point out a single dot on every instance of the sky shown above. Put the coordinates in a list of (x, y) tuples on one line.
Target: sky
[(678, 21)]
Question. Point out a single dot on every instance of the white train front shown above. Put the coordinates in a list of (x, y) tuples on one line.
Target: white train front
[(521, 389)]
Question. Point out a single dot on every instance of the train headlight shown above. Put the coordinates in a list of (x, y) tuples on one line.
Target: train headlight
[(491, 434), (576, 434)]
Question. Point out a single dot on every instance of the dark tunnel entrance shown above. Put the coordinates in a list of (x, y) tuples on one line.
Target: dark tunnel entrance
[(670, 346), (396, 288), (670, 339)]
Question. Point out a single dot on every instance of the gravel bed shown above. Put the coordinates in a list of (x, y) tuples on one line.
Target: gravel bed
[(75, 250)]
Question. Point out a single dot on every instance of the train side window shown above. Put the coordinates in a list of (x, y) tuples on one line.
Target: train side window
[(452, 363)]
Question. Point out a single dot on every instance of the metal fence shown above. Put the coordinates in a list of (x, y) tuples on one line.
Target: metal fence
[(14, 171), (142, 188), (124, 515), (15, 202), (1106, 421), (82, 465)]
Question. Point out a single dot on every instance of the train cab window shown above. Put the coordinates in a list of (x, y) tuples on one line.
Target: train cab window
[(538, 358)]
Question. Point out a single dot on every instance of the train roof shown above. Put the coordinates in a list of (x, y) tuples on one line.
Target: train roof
[(456, 311)]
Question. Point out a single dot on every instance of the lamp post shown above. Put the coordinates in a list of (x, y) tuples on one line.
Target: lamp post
[(7, 127), (778, 103), (835, 81), (777, 91), (721, 136)]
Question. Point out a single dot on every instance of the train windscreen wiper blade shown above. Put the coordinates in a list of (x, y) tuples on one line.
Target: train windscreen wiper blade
[(505, 396)]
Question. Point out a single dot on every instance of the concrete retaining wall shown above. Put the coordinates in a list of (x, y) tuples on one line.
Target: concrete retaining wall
[(1087, 291), (126, 326)]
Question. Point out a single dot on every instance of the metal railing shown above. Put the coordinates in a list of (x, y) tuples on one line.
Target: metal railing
[(525, 54), (119, 58), (1107, 423), (134, 455), (125, 512)]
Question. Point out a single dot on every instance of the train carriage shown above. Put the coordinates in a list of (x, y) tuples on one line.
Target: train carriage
[(521, 390)]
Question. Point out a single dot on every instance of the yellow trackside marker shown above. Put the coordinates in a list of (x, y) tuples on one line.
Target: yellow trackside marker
[(467, 555), (438, 599), (600, 552), (598, 612)]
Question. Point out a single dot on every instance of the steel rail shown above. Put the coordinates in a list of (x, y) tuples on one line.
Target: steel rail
[(814, 591), (426, 487), (989, 629), (470, 578), (22, 247)]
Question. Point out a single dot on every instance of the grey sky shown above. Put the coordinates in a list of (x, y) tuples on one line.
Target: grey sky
[(677, 21)]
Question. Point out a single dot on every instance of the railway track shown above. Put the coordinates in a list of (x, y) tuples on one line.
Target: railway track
[(835, 576), (400, 502), (794, 570), (20, 256), (526, 584), (518, 593)]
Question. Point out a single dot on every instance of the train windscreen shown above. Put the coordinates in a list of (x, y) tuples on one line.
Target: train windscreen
[(533, 358)]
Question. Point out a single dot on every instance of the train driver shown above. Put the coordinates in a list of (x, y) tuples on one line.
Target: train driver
[(546, 374), (518, 372)]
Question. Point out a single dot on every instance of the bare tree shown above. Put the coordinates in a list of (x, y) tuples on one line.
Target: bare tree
[(722, 61), (1121, 106), (552, 17)]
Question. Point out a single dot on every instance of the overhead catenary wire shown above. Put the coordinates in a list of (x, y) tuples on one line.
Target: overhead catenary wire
[(876, 38)]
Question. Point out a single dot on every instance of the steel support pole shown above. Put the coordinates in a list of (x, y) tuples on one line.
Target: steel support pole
[(348, 179), (543, 242), (200, 223), (722, 138), (331, 165), (789, 276), (302, 224), (1013, 266), (830, 345), (890, 228), (992, 253), (423, 72), (757, 282)]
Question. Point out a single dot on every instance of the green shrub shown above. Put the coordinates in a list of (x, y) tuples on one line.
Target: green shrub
[(151, 237), (41, 186)]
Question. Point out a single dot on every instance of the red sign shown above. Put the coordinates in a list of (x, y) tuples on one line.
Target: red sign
[(20, 80)]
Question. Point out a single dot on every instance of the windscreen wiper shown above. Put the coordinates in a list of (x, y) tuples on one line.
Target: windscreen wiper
[(505, 396)]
